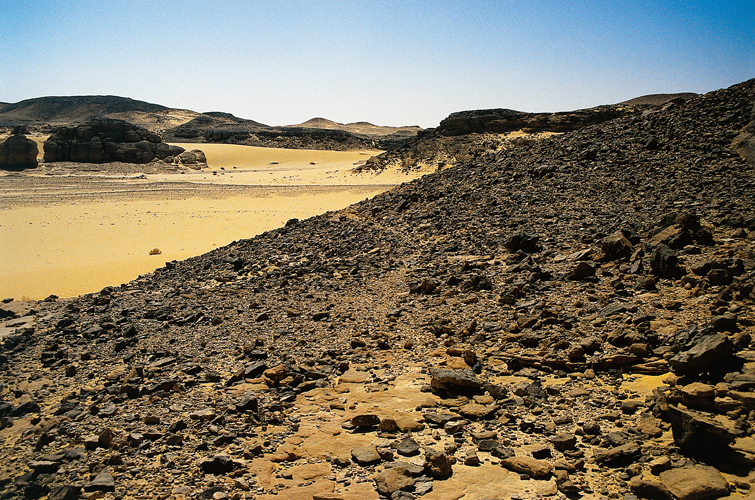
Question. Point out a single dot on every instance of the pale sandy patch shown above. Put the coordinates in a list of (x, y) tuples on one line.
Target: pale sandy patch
[(249, 165), (71, 249), (70, 229)]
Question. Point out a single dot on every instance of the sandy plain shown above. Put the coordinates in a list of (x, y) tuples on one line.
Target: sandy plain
[(69, 229)]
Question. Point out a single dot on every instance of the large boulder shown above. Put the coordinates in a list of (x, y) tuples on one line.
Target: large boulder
[(104, 140), (18, 152), (192, 158), (695, 482), (708, 352)]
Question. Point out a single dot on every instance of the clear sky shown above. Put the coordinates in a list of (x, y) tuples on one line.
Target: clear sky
[(387, 62)]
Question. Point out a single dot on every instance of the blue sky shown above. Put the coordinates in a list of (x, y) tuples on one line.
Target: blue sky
[(387, 62)]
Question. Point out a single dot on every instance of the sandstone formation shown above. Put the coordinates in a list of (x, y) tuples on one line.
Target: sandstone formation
[(18, 152), (567, 318), (107, 140)]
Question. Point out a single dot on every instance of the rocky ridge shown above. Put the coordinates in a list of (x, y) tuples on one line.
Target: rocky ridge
[(567, 318), (317, 134), (463, 136)]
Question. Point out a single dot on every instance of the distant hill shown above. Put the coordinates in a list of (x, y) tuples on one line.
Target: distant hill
[(43, 111), (363, 128), (181, 125)]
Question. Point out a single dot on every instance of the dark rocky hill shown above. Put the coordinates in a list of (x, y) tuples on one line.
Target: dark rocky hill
[(571, 317), (63, 110)]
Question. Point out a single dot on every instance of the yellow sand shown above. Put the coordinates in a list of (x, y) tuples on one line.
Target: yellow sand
[(72, 237), (69, 250)]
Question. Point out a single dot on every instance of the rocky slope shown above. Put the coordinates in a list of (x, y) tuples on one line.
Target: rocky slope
[(567, 318), (465, 135)]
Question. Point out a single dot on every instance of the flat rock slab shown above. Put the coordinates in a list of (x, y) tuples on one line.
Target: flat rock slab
[(695, 482), (365, 455), (528, 465), (103, 482)]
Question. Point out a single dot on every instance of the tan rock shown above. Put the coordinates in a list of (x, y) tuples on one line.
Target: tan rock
[(695, 482), (408, 423), (528, 465), (287, 452), (276, 374), (475, 411), (393, 479), (698, 390)]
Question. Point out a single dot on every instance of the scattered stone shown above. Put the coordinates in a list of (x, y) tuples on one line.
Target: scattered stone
[(394, 479), (365, 455)]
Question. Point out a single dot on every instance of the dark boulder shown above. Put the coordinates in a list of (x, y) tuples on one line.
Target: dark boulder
[(526, 242), (616, 246), (454, 380), (18, 152), (664, 263), (708, 352), (698, 433)]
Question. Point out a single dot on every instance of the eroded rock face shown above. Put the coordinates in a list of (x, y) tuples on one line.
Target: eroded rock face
[(18, 152), (106, 140)]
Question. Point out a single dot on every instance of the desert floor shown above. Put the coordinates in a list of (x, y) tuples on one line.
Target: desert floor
[(69, 229)]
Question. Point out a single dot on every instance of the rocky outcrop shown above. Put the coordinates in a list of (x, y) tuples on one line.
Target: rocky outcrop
[(228, 129), (195, 157), (501, 121), (107, 140), (18, 152), (466, 135)]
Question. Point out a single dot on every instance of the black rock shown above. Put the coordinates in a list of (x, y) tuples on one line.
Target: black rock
[(664, 263), (698, 433), (103, 482), (708, 352), (526, 242), (219, 464)]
